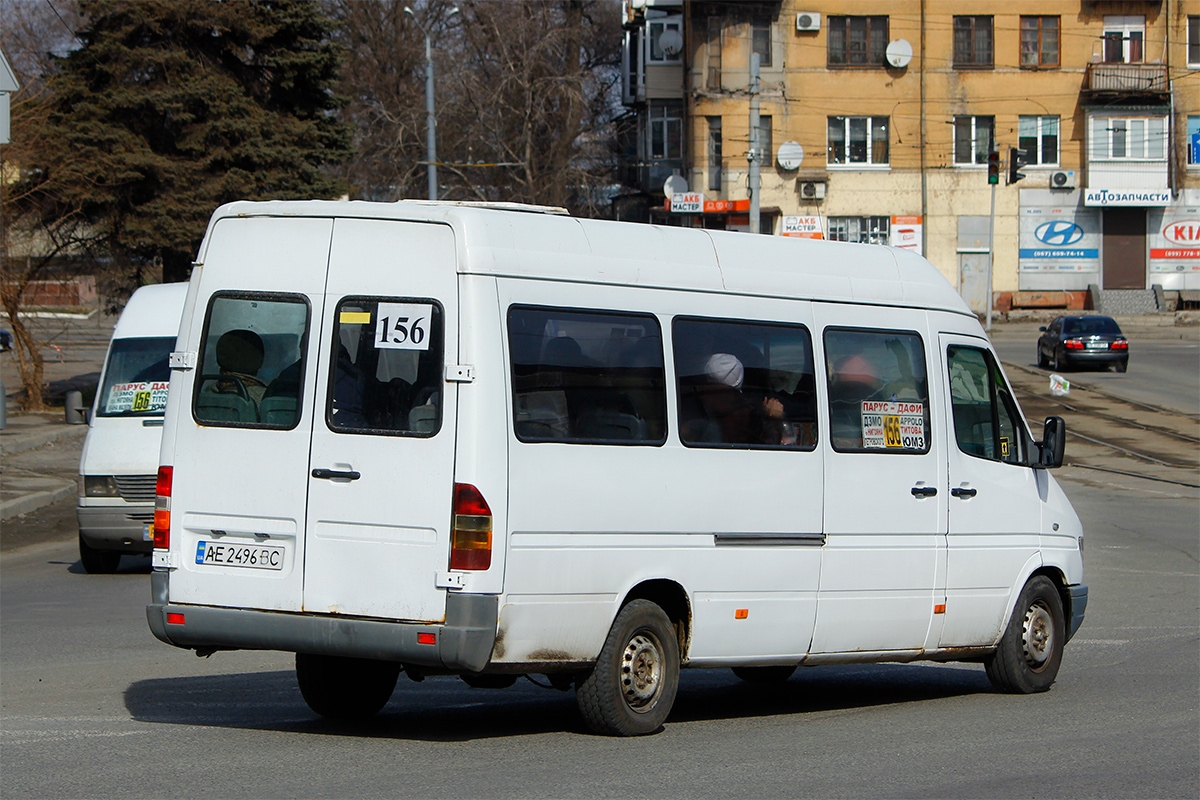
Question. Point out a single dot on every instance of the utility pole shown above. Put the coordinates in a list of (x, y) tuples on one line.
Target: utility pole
[(755, 156), (430, 118)]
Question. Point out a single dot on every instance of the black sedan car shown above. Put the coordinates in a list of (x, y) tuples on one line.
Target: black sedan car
[(1090, 340)]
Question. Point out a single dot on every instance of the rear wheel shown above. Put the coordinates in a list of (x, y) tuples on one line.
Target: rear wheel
[(764, 674), (97, 562), (345, 688), (1031, 648), (1042, 361), (630, 690), (1121, 366)]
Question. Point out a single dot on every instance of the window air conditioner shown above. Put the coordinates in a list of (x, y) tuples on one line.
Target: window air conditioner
[(1062, 180), (808, 21), (812, 190)]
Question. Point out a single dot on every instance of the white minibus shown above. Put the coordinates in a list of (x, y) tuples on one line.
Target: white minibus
[(439, 438), (119, 462)]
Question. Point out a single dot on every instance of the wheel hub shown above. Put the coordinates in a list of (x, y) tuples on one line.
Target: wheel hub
[(641, 671), (1037, 636)]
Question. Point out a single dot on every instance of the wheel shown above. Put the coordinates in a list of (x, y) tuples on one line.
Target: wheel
[(764, 674), (630, 690), (1058, 364), (1042, 361), (97, 562), (345, 688), (1121, 366), (1027, 659)]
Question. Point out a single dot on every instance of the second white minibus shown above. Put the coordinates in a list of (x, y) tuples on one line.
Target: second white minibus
[(446, 439)]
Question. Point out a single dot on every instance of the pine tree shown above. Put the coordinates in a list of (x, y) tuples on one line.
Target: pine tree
[(172, 107)]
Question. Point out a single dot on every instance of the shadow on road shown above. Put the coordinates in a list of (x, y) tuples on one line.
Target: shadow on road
[(443, 709)]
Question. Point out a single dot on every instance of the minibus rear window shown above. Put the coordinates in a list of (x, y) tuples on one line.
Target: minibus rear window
[(878, 391), (745, 384), (587, 376), (251, 361), (386, 373), (136, 378)]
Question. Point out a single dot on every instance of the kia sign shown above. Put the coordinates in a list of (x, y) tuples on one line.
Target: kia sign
[(1059, 239), (1175, 240)]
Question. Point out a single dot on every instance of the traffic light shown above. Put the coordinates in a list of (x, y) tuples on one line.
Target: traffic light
[(993, 167), (1016, 160)]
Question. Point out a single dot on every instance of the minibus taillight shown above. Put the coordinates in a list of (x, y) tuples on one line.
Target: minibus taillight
[(162, 508), (470, 529)]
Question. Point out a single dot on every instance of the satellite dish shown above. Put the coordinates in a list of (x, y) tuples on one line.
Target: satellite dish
[(790, 155), (671, 42), (898, 53), (676, 184)]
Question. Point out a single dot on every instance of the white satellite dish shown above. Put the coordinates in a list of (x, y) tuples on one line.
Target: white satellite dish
[(671, 42), (898, 53), (790, 155), (676, 184)]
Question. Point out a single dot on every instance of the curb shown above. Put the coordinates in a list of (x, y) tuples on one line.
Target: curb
[(32, 501)]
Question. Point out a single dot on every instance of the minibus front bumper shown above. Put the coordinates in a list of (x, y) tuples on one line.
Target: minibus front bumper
[(463, 643), (1079, 600)]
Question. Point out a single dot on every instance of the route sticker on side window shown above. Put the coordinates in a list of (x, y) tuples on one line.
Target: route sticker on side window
[(403, 326), (893, 424)]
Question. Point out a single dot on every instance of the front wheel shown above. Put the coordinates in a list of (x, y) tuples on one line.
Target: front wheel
[(1042, 361), (345, 688), (630, 690), (1030, 651), (97, 562)]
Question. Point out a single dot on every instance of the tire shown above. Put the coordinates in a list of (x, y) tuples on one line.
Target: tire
[(1058, 365), (1030, 651), (1121, 366), (98, 562), (1042, 361), (345, 688), (631, 688), (764, 674)]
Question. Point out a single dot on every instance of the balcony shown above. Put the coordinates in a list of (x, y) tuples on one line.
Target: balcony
[(1127, 82)]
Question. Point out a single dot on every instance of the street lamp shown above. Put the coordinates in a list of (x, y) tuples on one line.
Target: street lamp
[(431, 121)]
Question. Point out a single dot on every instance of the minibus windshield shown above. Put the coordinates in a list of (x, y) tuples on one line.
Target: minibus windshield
[(136, 378)]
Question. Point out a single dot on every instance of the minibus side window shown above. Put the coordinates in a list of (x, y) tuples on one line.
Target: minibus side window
[(251, 361), (587, 376), (744, 384), (386, 367), (986, 422), (878, 391)]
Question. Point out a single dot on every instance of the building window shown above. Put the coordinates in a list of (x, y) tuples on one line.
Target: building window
[(1124, 38), (760, 32), (765, 144), (858, 140), (714, 154), (857, 41), (1193, 42), (1039, 41), (974, 138), (666, 40), (666, 131), (1193, 139), (973, 41), (865, 230), (714, 54), (1138, 139), (1038, 138)]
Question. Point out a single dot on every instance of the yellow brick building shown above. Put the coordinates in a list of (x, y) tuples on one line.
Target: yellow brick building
[(877, 121)]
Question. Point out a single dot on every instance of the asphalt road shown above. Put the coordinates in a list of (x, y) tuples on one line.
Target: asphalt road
[(94, 706)]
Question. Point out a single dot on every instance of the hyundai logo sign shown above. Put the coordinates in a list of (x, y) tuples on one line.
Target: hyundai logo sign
[(1058, 233)]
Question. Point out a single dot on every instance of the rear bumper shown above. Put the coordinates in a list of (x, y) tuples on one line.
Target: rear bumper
[(463, 643), (121, 529), (1082, 357), (1079, 599)]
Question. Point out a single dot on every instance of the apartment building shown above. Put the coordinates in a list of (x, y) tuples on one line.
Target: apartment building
[(880, 122)]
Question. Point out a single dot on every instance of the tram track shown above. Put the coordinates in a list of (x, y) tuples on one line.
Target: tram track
[(1113, 434)]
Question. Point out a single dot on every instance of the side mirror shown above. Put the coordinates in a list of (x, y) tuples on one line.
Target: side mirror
[(1042, 329), (1053, 444)]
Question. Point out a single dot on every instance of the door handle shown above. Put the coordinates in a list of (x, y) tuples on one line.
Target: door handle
[(924, 491), (959, 491), (334, 474)]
